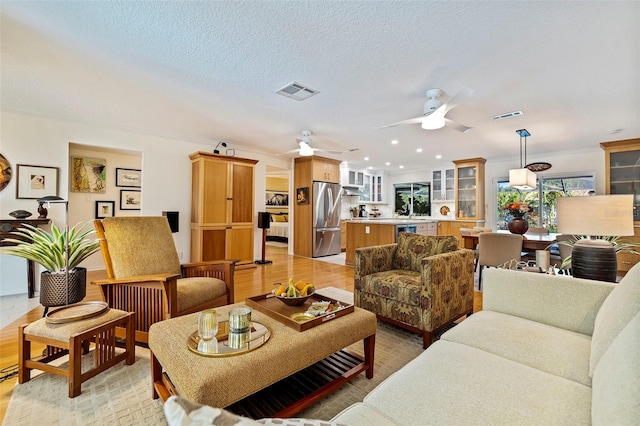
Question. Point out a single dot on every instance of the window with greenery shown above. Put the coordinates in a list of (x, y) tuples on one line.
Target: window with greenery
[(549, 189), (413, 199)]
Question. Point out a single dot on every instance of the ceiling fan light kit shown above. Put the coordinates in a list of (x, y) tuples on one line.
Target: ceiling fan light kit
[(523, 178), (305, 149)]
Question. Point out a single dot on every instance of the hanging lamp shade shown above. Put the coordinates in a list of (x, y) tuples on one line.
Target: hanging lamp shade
[(523, 178)]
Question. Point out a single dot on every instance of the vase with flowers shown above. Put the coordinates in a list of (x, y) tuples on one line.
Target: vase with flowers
[(518, 223)]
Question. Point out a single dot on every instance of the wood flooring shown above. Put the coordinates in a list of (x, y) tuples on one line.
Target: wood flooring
[(250, 281)]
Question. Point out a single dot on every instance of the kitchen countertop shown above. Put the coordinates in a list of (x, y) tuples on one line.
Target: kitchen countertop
[(403, 220)]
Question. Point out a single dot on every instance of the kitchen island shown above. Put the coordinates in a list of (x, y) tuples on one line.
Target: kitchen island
[(365, 232)]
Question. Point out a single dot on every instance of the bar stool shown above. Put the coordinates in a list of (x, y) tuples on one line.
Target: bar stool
[(74, 338)]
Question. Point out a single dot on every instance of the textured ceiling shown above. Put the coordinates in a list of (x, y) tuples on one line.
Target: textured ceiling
[(207, 71)]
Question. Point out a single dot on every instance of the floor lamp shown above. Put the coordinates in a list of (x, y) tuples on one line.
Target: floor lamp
[(598, 215), (264, 221), (49, 199)]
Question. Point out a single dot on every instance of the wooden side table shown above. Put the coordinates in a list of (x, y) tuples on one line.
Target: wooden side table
[(9, 225)]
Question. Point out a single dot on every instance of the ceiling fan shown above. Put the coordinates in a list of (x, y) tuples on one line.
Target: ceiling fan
[(305, 148), (435, 111)]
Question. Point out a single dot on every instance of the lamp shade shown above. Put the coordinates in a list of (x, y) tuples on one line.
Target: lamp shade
[(522, 179), (607, 215)]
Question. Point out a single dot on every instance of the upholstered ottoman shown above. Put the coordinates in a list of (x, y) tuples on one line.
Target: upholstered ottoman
[(74, 338)]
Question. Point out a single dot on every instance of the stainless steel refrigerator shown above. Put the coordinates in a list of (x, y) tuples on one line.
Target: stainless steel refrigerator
[(326, 218)]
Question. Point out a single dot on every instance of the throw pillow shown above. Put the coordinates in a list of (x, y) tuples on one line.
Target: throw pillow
[(278, 218)]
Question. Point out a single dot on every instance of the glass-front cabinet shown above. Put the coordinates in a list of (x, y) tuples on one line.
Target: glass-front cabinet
[(469, 189), (373, 189), (442, 185)]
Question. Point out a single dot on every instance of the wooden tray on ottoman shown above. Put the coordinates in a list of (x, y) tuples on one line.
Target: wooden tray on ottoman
[(269, 305)]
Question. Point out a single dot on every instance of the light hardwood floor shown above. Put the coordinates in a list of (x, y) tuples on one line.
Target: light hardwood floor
[(248, 282)]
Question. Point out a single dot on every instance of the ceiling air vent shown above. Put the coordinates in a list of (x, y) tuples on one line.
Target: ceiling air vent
[(507, 115), (297, 91)]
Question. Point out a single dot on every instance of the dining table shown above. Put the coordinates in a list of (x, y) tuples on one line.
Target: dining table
[(532, 241)]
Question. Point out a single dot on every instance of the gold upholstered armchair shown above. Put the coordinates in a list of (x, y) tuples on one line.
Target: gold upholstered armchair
[(146, 277), (422, 283)]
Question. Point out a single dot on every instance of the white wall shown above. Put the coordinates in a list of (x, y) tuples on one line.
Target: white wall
[(166, 174)]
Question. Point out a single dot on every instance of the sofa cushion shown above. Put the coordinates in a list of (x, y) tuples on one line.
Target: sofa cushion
[(616, 311), (557, 351), (194, 291), (457, 384), (362, 414), (412, 248), (616, 379), (399, 284)]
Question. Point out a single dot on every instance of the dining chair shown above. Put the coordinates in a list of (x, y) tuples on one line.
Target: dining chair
[(496, 249)]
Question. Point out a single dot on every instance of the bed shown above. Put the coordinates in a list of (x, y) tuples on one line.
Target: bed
[(278, 228)]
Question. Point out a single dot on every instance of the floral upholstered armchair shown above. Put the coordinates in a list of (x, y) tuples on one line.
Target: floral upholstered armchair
[(422, 283)]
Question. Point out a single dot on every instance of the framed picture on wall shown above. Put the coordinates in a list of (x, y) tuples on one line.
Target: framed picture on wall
[(88, 175), (277, 199), (129, 178), (36, 181), (302, 195), (130, 199), (105, 209)]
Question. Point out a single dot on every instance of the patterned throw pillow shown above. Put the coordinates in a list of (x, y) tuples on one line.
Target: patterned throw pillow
[(182, 412)]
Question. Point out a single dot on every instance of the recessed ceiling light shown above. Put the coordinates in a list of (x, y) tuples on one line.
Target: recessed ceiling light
[(402, 167), (366, 158), (419, 150), (614, 131), (438, 157), (387, 163), (394, 142), (370, 167)]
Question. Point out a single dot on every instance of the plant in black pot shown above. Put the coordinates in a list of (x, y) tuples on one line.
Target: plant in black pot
[(60, 253)]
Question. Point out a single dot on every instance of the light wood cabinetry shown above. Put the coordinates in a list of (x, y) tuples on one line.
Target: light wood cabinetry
[(429, 228), (469, 188), (343, 235), (622, 172), (222, 213), (452, 227), (326, 170), (306, 171), (367, 235), (443, 185)]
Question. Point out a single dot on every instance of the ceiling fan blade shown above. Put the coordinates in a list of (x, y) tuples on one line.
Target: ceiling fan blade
[(400, 123), (456, 126), (463, 94)]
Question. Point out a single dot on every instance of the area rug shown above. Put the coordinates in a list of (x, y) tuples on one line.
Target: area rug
[(122, 394)]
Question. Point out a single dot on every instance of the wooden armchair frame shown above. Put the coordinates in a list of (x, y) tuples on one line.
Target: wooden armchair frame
[(154, 298)]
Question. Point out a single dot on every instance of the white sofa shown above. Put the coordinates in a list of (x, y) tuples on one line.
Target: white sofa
[(547, 350)]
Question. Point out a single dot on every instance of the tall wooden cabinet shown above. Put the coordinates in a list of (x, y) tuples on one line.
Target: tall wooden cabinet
[(469, 188), (222, 213), (622, 171), (305, 172)]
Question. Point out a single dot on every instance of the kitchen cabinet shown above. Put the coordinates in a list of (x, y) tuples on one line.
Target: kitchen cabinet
[(325, 170), (622, 176), (306, 170), (367, 234), (442, 185), (373, 189), (428, 228), (469, 188), (222, 210), (351, 178), (343, 235), (452, 227)]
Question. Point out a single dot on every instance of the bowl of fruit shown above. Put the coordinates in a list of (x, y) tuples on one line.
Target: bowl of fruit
[(294, 294)]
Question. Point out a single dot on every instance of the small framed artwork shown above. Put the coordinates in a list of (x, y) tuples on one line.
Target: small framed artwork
[(88, 175), (36, 181), (129, 178), (302, 195), (105, 209), (277, 199), (129, 199)]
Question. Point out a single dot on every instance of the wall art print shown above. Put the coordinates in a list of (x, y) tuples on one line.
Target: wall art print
[(105, 209), (130, 199), (5, 172), (88, 175), (276, 199), (35, 182), (129, 178)]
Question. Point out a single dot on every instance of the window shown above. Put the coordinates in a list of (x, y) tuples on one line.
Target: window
[(413, 199), (549, 189)]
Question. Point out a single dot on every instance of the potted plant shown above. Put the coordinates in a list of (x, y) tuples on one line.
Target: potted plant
[(63, 282)]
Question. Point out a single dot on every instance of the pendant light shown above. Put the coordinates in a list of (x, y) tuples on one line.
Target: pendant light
[(523, 178)]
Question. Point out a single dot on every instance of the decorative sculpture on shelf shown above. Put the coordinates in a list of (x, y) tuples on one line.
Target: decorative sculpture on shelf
[(43, 211)]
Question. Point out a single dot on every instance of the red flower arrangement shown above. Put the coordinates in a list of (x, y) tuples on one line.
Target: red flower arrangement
[(518, 209)]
